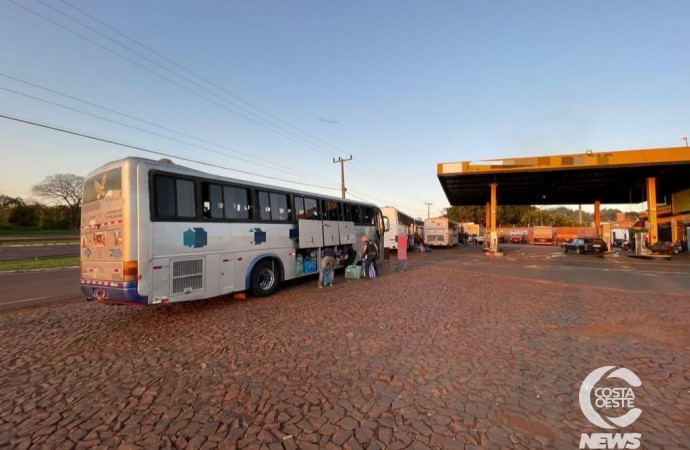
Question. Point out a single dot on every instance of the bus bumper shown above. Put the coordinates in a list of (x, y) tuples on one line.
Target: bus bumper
[(113, 292)]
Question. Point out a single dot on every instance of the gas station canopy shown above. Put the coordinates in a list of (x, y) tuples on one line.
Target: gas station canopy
[(607, 177)]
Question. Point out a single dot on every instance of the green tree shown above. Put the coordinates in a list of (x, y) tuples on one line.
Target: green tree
[(24, 216), (476, 214), (64, 188)]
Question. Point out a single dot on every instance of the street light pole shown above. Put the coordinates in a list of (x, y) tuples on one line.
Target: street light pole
[(685, 138), (428, 210)]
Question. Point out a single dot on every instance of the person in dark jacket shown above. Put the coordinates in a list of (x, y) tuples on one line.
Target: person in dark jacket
[(369, 254), (348, 256)]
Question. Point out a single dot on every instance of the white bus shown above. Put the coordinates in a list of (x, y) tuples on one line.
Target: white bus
[(441, 232), (155, 232), (400, 224)]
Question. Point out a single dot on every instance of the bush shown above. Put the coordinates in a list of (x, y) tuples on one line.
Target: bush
[(54, 224), (24, 216)]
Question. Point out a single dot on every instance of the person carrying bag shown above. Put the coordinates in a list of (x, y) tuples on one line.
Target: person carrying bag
[(370, 252)]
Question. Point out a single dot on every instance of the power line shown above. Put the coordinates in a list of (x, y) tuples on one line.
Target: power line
[(197, 75), (278, 166), (164, 77), (168, 70), (304, 143), (155, 152), (373, 177)]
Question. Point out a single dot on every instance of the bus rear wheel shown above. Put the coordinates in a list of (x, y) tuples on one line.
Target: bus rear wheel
[(265, 278)]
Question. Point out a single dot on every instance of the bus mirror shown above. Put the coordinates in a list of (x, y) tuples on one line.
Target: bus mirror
[(386, 224)]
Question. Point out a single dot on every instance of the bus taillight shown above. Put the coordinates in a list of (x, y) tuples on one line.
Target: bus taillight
[(130, 271)]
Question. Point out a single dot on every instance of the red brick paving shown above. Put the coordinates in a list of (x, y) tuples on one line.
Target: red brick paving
[(432, 358)]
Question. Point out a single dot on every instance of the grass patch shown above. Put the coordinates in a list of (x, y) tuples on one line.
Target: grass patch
[(29, 264)]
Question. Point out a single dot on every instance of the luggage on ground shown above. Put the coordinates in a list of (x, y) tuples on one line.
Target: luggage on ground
[(353, 272)]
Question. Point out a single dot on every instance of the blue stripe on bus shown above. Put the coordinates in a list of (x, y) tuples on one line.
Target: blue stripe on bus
[(248, 277)]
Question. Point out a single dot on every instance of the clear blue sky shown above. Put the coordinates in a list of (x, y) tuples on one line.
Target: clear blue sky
[(410, 84)]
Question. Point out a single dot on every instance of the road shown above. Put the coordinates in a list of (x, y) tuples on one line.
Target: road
[(456, 353), (546, 264), (8, 252), (23, 289), (550, 264)]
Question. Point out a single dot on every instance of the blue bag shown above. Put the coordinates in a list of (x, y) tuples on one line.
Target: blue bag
[(326, 277), (309, 266)]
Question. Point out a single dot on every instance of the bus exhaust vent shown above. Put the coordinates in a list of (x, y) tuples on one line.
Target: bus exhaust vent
[(188, 276)]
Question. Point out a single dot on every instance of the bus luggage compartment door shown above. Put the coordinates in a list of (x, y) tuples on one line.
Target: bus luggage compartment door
[(347, 233), (310, 233), (227, 273), (331, 233)]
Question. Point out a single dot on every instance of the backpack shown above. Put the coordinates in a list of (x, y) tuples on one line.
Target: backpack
[(371, 250)]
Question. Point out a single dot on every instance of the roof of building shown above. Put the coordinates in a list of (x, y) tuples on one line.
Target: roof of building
[(609, 177)]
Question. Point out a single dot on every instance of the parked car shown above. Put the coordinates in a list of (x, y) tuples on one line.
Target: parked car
[(585, 245), (516, 238)]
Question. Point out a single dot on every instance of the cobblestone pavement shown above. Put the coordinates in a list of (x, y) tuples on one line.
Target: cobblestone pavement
[(431, 358)]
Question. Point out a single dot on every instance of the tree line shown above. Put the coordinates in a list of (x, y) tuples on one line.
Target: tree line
[(529, 216), (58, 206)]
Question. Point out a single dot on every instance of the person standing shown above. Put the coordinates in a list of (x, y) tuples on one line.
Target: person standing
[(327, 263), (369, 254)]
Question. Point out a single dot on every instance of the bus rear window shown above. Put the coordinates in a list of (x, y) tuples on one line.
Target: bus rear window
[(105, 185)]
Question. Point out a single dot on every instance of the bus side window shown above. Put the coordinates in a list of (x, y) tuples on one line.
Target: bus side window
[(212, 198), (346, 214), (236, 201), (330, 210), (164, 188), (184, 193), (264, 206), (279, 207), (354, 211), (299, 208), (311, 207), (367, 219)]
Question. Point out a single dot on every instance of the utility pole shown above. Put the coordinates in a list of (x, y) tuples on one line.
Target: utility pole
[(428, 209), (580, 215), (342, 172)]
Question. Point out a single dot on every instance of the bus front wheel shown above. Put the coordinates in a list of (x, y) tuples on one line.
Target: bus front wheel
[(265, 278)]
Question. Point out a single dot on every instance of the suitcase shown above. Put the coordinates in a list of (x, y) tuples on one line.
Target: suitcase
[(372, 271), (353, 272)]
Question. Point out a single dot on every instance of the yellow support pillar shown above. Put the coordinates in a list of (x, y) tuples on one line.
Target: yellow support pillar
[(597, 219), (487, 222), (651, 211), (493, 207)]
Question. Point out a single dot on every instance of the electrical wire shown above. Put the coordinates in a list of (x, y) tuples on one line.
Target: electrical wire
[(164, 77), (308, 145), (362, 170), (155, 152), (277, 166), (172, 72)]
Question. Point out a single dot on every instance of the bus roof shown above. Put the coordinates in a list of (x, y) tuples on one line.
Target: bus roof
[(183, 170)]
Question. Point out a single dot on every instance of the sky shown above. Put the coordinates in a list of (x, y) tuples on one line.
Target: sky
[(399, 85)]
